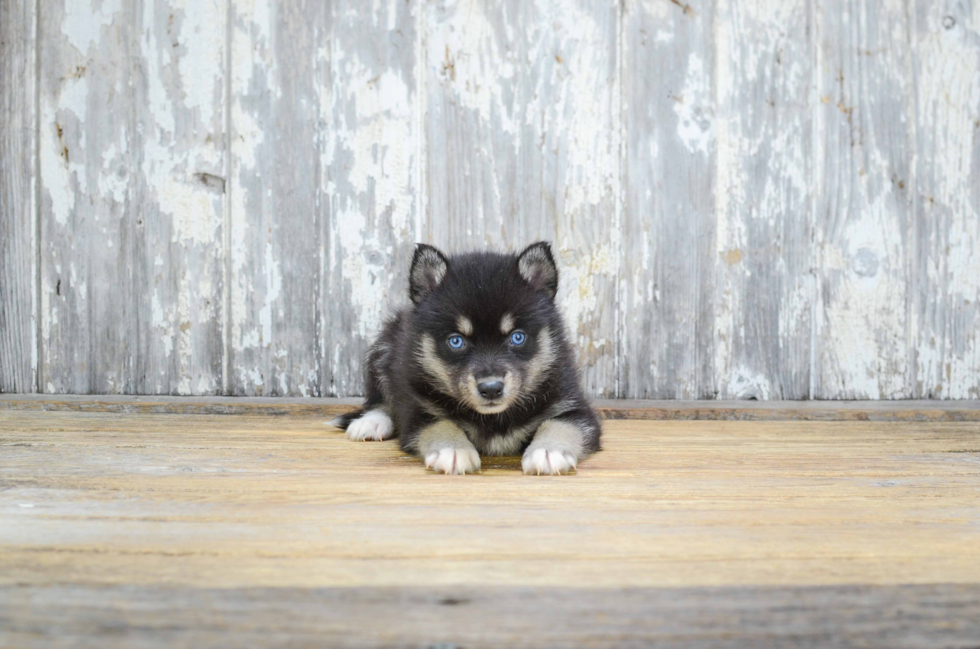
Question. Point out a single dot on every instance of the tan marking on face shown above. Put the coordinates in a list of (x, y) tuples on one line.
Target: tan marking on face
[(542, 361), (464, 326), (433, 365), (506, 324)]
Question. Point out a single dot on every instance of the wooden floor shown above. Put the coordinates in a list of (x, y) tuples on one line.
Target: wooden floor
[(166, 530)]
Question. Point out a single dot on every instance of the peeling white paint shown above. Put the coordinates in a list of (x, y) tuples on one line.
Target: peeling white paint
[(195, 217), (582, 276), (84, 20), (743, 383), (273, 288), (202, 36), (252, 64), (466, 52), (379, 142), (162, 322), (114, 178), (63, 178), (947, 341), (370, 112), (866, 108), (55, 175), (581, 110), (693, 107), (546, 113)]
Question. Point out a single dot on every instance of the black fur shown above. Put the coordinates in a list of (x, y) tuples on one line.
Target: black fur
[(483, 287)]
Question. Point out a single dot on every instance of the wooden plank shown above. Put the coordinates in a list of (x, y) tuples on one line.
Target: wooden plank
[(763, 255), (368, 197), (470, 126), (177, 246), (87, 310), (522, 144), (283, 406), (242, 502), (863, 186), (668, 220), (790, 410), (131, 172), (473, 69), (945, 264), (639, 409), (900, 617), (274, 252), (18, 224), (168, 530)]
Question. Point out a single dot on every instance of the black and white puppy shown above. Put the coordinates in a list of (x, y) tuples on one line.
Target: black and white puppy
[(479, 365)]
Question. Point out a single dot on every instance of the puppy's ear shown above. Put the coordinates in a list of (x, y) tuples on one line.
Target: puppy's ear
[(429, 267), (537, 266)]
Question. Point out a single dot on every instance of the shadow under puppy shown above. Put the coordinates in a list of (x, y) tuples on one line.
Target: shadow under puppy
[(478, 365)]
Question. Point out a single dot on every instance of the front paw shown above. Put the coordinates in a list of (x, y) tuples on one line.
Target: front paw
[(453, 461), (375, 425), (547, 461)]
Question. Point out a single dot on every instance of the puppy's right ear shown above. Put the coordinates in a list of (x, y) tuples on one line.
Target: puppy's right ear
[(429, 268)]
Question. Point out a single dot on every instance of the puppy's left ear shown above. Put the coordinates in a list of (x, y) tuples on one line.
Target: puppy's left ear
[(537, 266), (429, 268)]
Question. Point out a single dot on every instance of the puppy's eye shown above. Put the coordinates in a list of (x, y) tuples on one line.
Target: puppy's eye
[(518, 338), (456, 342)]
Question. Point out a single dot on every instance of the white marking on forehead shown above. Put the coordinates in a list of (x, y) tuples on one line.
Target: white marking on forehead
[(506, 324), (464, 325)]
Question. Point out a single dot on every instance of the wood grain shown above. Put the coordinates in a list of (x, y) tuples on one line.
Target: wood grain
[(761, 343), (637, 409), (897, 617), (177, 244), (668, 206), (18, 223), (88, 134), (945, 289), (771, 200), (286, 502), (169, 527), (131, 142), (863, 187), (522, 144), (369, 192), (274, 242)]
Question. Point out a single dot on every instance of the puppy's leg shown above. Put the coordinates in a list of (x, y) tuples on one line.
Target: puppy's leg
[(368, 423), (372, 421), (447, 449), (373, 425), (559, 444)]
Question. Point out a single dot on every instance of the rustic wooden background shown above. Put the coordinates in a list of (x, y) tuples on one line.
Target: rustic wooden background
[(768, 199)]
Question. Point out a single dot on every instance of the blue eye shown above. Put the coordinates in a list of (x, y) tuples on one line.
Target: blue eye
[(517, 338), (456, 341)]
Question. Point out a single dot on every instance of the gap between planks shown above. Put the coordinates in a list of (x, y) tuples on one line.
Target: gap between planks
[(607, 408)]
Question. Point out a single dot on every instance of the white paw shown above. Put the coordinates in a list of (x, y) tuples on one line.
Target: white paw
[(455, 461), (374, 425), (546, 461)]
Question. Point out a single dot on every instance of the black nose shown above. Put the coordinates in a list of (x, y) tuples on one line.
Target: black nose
[(491, 389)]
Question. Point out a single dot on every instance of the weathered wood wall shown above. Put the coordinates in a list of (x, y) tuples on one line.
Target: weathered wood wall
[(766, 199)]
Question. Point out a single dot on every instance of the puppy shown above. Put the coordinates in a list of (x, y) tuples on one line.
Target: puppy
[(479, 365)]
